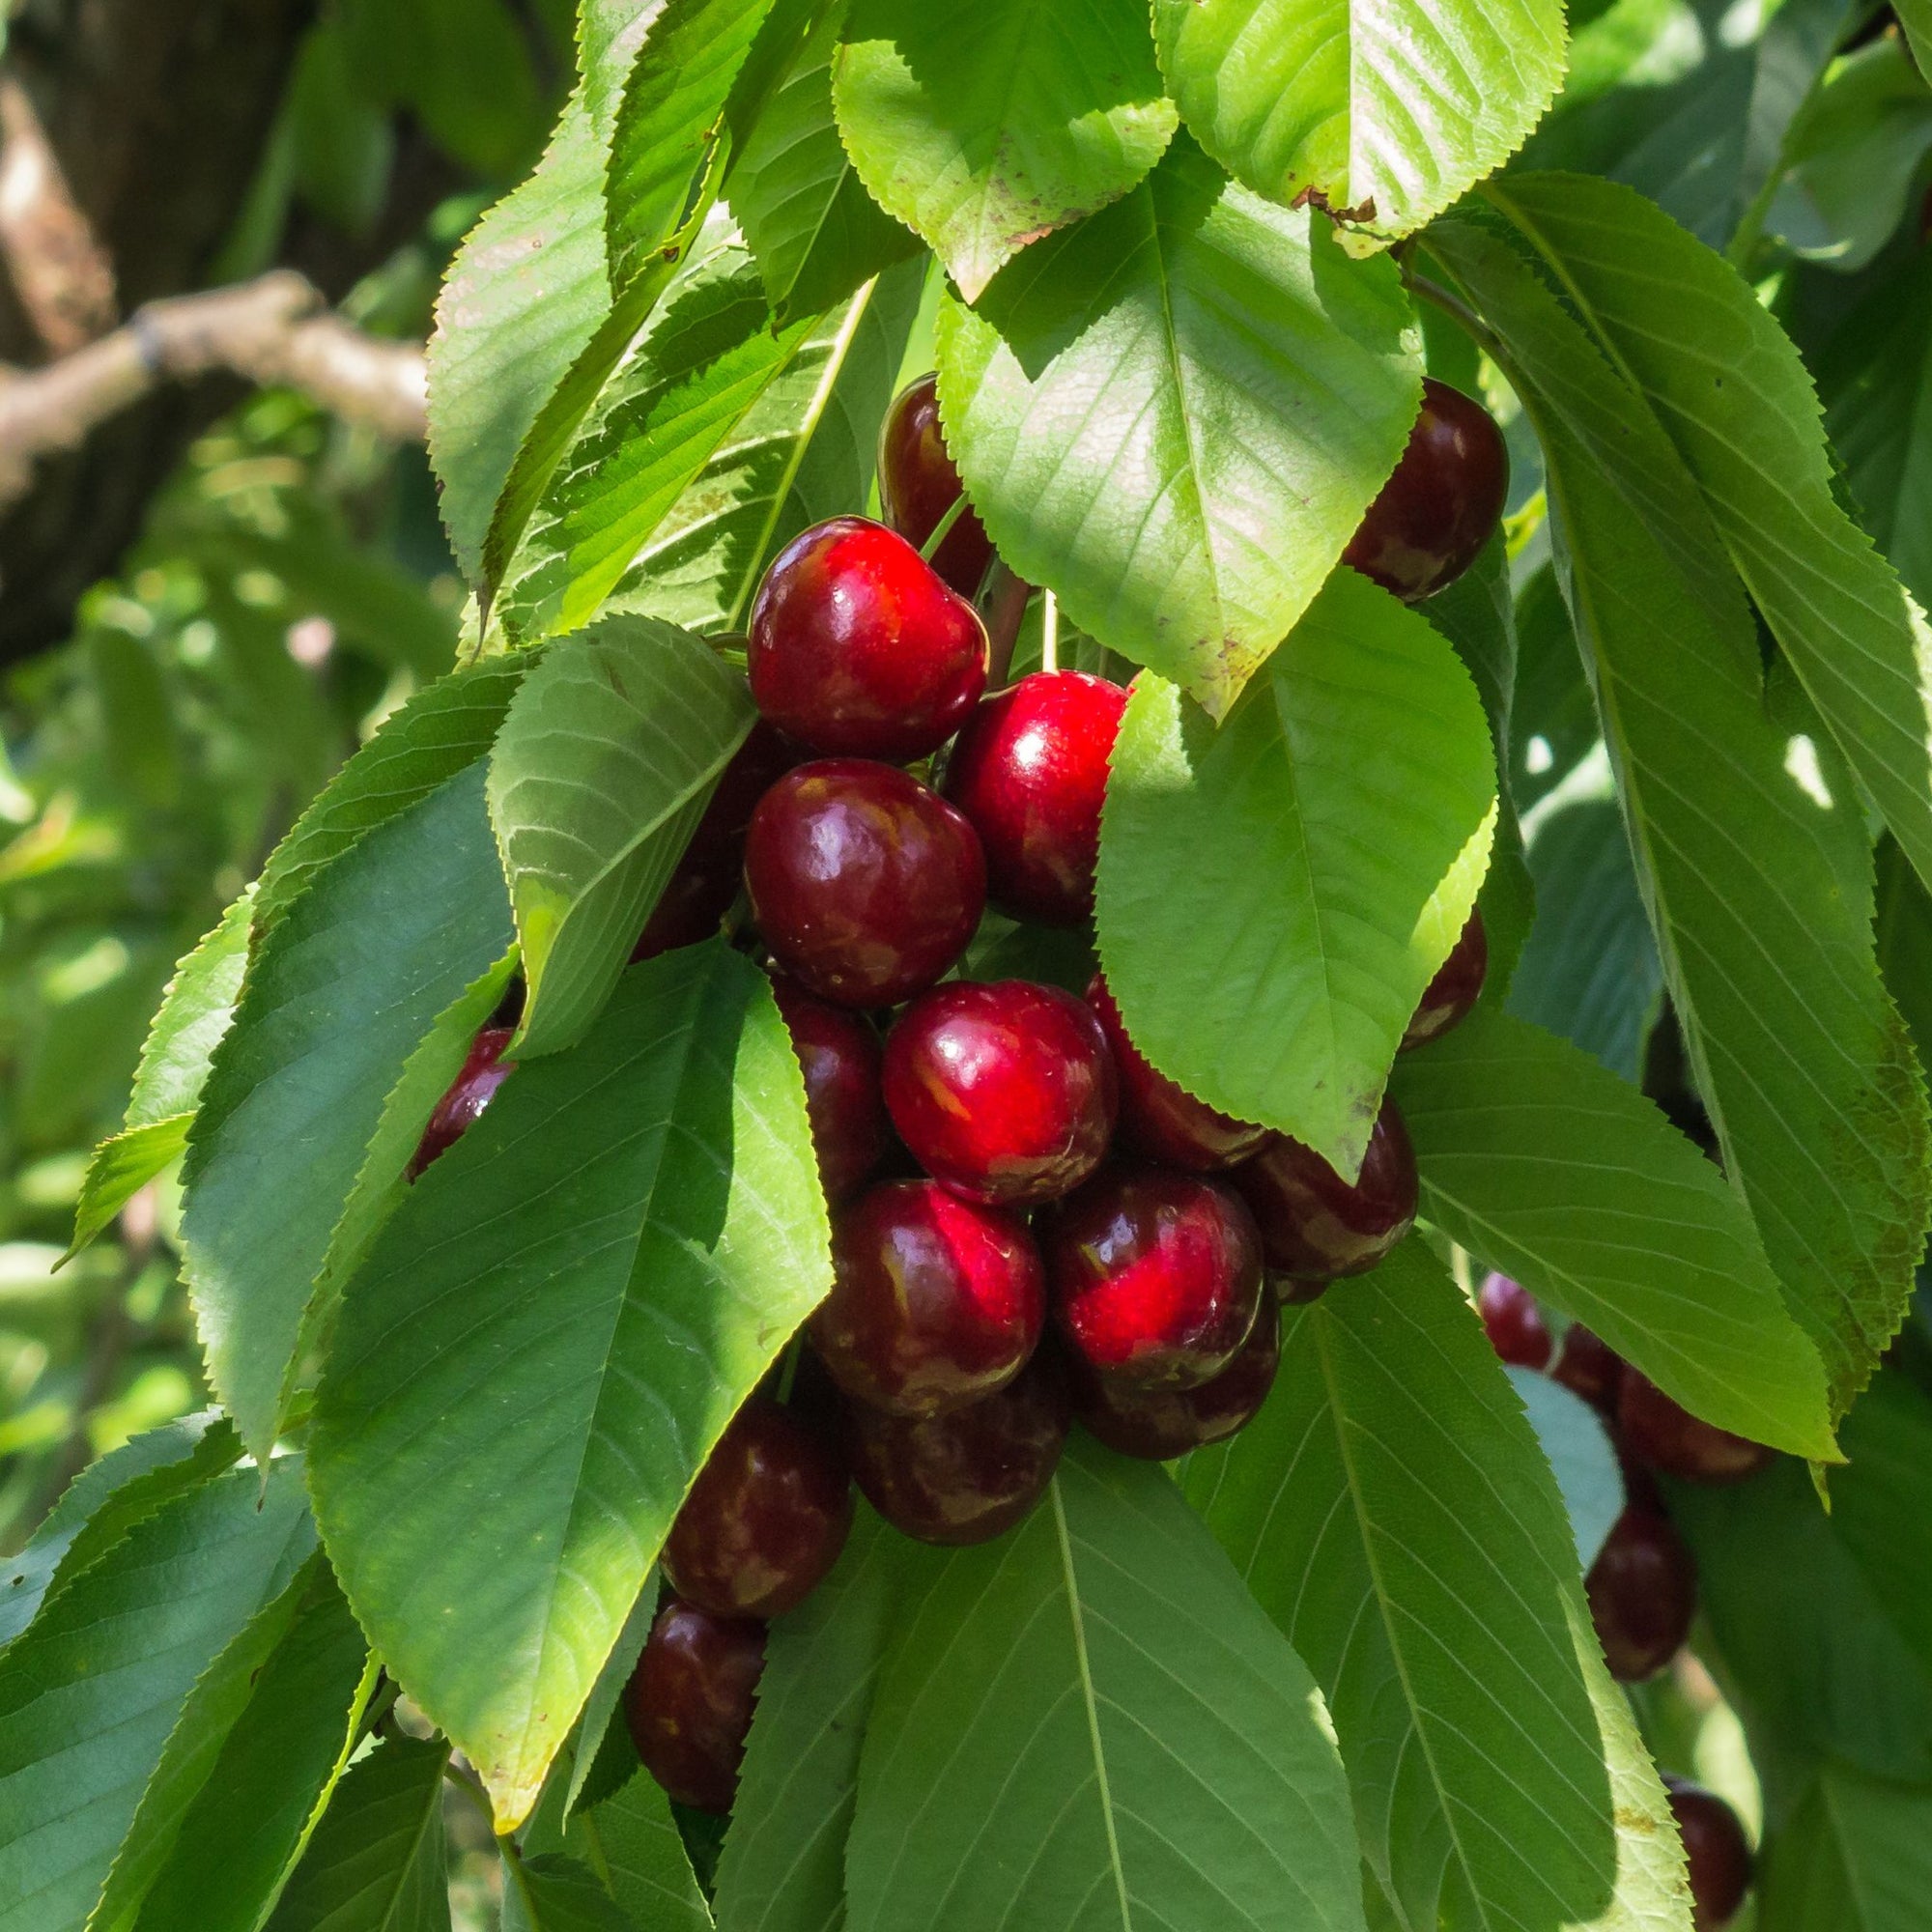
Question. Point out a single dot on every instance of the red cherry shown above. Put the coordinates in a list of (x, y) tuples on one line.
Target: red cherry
[(484, 1071), (1588, 1366), (765, 1520), (1658, 1431), (689, 1702), (1515, 1327), (1716, 1851), (1457, 986), (1643, 1593), (971, 1474), (1158, 1424), (1315, 1227), (859, 651), (1029, 771), (866, 884), (1437, 512), (839, 1054), (1159, 1117), (1005, 1093), (935, 1302), (919, 483), (1155, 1276)]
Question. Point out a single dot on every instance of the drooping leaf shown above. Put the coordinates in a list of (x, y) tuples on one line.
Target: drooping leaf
[(556, 1894), (612, 1256), (1855, 1856), (1578, 1448), (1174, 415), (1274, 895), (600, 1709), (630, 1843)]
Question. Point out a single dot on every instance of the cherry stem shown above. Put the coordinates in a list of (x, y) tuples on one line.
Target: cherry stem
[(1049, 633), (942, 529), (1003, 603)]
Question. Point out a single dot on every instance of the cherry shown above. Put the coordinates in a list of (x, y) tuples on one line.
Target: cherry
[(689, 1702), (1643, 1593), (1159, 1118), (765, 1520), (1586, 1365), (1515, 1327), (1458, 985), (1716, 1850), (484, 1071), (919, 483), (1004, 1091), (1156, 1275), (839, 1054), (1315, 1227), (859, 651), (1158, 1424), (935, 1301), (971, 1474), (866, 884), (1029, 771), (1658, 1431), (1436, 511)]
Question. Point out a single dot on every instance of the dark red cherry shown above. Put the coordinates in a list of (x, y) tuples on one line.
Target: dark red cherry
[(765, 1520), (484, 1071), (1155, 1276), (1315, 1227), (935, 1301), (1437, 512), (1005, 1093), (1716, 1851), (866, 884), (1586, 1365), (1159, 1118), (1643, 1593), (859, 651), (1517, 1329), (1029, 771), (689, 1702), (919, 483), (1455, 987), (1661, 1433), (1158, 1424), (839, 1054), (972, 1473)]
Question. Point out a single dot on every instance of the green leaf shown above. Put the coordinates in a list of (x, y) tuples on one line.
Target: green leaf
[(1546, 1166), (1758, 889), (630, 1843), (600, 1708), (375, 1862), (1120, 1721), (89, 1695), (1916, 18), (344, 992), (603, 763), (1174, 415), (1274, 895), (1388, 112), (1905, 943), (1855, 1856), (613, 1255), (1578, 1448), (555, 1893), (1390, 1510), (984, 125)]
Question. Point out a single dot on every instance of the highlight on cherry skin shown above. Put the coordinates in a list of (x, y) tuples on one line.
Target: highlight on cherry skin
[(1642, 1592), (839, 1054), (919, 483), (1158, 1424), (1515, 1324), (689, 1703), (484, 1071)]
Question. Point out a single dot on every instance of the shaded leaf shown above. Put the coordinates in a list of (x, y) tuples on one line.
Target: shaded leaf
[(555, 1893), (1578, 1448), (630, 1843), (1855, 1856)]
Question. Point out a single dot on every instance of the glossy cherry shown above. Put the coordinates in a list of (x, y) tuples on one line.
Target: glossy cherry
[(1517, 1329), (1029, 771), (1716, 1850), (1661, 1433), (1159, 1119), (866, 884), (1157, 1424), (1643, 1594), (689, 1702), (765, 1520), (935, 1301), (859, 651), (1586, 1365), (1458, 985), (972, 1473), (1004, 1091), (1155, 1276), (484, 1071), (1438, 510), (919, 483), (839, 1054), (1315, 1227)]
